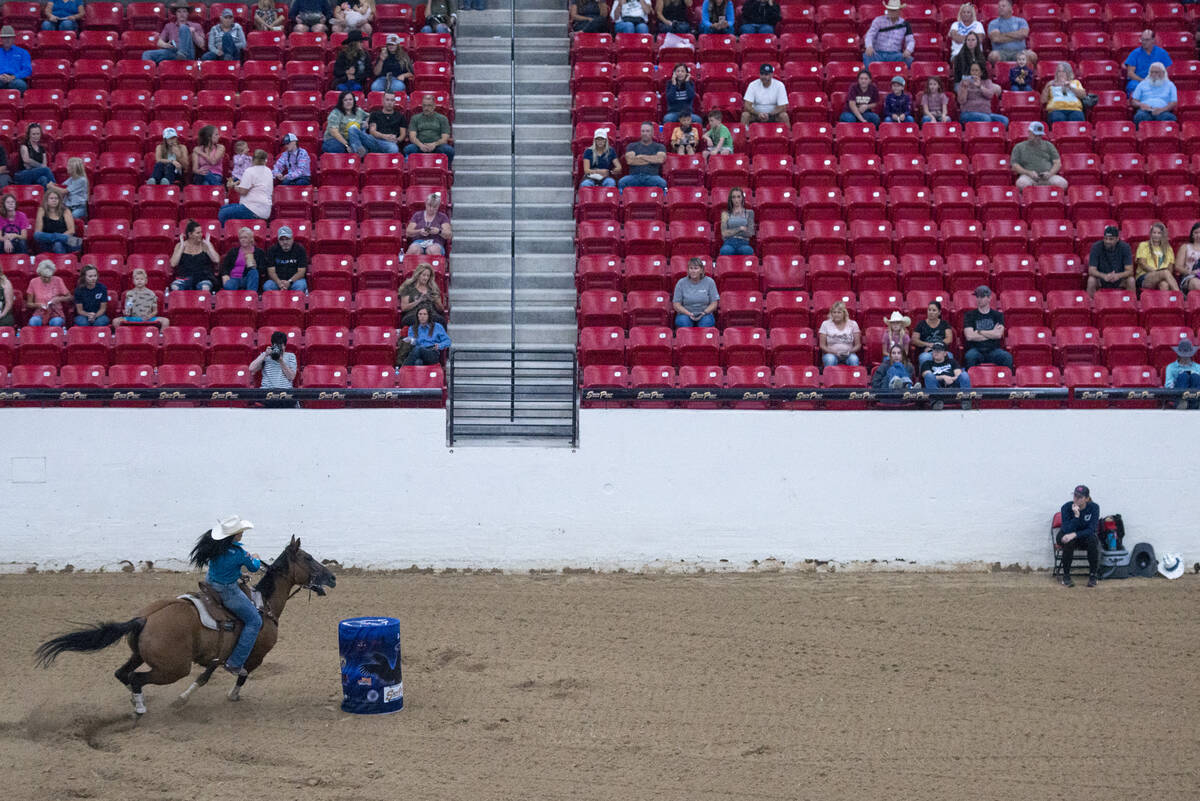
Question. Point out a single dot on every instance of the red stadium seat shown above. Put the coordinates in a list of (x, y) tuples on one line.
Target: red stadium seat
[(88, 345), (696, 347), (137, 344), (1077, 345), (1029, 345)]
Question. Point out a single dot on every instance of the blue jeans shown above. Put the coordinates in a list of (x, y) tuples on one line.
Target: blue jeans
[(229, 50), (445, 150), (1189, 381), (303, 180), (99, 322), (590, 182), (165, 171), (61, 25), (869, 116), (1143, 116), (299, 285), (190, 284), (997, 356), (897, 371), (237, 602), (1065, 116), (248, 281), (642, 180), (760, 27), (630, 27), (235, 211), (373, 144), (34, 175), (736, 246), (441, 28), (184, 51), (37, 320), (16, 83), (979, 116), (684, 321), (422, 356), (55, 243), (907, 118), (382, 84), (962, 382), (475, 5), (886, 55), (349, 86), (829, 360), (18, 246), (208, 179)]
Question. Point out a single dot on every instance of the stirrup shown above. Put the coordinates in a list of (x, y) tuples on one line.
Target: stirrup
[(235, 671)]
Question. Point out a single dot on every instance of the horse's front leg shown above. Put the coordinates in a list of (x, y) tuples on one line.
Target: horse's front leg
[(235, 692), (200, 681)]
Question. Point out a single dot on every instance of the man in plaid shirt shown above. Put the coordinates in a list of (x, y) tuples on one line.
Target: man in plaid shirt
[(890, 37)]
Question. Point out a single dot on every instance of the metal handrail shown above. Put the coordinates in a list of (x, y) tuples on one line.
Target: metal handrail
[(512, 212)]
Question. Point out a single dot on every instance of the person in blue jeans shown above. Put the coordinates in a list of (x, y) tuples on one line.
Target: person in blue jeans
[(644, 158), (179, 38), (760, 16), (983, 330), (15, 65), (942, 372), (429, 339), (632, 16), (226, 39), (894, 372), (239, 268), (680, 94), (91, 299), (737, 225), (1184, 372), (62, 15), (862, 101), (975, 92), (600, 162), (695, 298), (220, 550), (1155, 98)]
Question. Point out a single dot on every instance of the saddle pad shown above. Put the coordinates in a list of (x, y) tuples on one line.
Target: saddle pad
[(207, 619)]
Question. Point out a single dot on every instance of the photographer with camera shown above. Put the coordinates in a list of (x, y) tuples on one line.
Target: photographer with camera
[(278, 366)]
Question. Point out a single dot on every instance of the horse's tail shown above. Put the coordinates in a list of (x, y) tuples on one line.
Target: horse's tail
[(93, 638)]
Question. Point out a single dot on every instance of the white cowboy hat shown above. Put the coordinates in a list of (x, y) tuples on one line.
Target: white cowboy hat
[(897, 317), (1171, 565), (224, 529), (892, 5)]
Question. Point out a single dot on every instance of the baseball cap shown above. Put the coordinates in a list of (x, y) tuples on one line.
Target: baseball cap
[(290, 137), (7, 32), (170, 133), (1037, 128), (393, 38), (899, 79), (284, 230), (766, 69), (938, 346), (1112, 230), (601, 133), (982, 291), (227, 12), (1083, 490)]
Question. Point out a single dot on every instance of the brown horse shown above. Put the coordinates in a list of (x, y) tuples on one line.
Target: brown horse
[(167, 635)]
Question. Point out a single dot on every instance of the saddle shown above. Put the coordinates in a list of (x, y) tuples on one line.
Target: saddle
[(213, 614)]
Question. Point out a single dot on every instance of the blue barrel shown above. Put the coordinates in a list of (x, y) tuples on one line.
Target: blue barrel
[(371, 680)]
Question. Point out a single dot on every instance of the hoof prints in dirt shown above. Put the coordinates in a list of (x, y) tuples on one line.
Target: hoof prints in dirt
[(557, 689), (57, 723), (442, 658)]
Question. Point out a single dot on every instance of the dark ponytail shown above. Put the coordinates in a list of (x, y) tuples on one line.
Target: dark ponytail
[(208, 549)]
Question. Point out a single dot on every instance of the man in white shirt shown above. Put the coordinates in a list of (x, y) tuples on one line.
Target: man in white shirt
[(257, 189), (766, 99)]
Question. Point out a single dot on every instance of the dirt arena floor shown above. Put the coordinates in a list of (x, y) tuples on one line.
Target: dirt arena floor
[(550, 686)]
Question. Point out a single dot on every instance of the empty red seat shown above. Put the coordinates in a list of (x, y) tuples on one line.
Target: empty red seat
[(696, 346), (89, 345), (1077, 345), (137, 344)]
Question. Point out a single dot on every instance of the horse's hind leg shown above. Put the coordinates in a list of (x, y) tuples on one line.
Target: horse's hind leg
[(235, 692), (200, 681), (126, 670)]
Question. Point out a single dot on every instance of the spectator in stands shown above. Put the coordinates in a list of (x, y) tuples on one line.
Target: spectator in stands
[(45, 297), (1036, 161), (62, 15), (1155, 261), (267, 17), (1156, 97), (897, 332), (971, 53), (766, 99), (686, 137), (439, 16), (717, 139), (386, 128), (1021, 77), (76, 188), (1080, 527), (180, 39), (966, 22), (1007, 33), (645, 158), (310, 16), (737, 225), (7, 299), (600, 162), (34, 160), (680, 94), (239, 267), (716, 16), (419, 292), (141, 304), (890, 37), (1187, 260), (1063, 97), (983, 329), (429, 340), (344, 126), (277, 364), (15, 67), (256, 188), (631, 16), (862, 101), (226, 39), (839, 337), (940, 371), (194, 259), (208, 157), (170, 160), (14, 225), (975, 93), (242, 160), (354, 16), (935, 105), (673, 16), (760, 16), (429, 131), (695, 298), (930, 331), (393, 68), (1137, 63), (894, 372), (429, 229), (1184, 372), (897, 104), (588, 16), (91, 299), (352, 65), (5, 177), (287, 263), (1110, 263), (54, 226), (294, 165)]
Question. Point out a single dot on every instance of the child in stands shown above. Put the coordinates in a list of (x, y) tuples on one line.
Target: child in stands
[(241, 159), (141, 304), (1020, 77), (934, 104)]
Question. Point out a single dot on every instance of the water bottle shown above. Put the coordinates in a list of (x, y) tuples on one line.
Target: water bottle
[(1111, 541)]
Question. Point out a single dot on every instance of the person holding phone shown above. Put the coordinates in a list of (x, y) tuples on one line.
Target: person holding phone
[(429, 228)]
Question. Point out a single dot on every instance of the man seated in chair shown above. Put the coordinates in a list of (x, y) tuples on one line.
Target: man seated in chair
[(1080, 529)]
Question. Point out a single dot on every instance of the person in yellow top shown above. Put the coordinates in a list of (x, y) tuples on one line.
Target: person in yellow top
[(1063, 97), (1154, 261)]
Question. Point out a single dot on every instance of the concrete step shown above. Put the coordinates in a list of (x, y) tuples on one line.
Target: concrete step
[(524, 228), (529, 335), (475, 146), (525, 72), (483, 39), (531, 212), (528, 101), (502, 178), (476, 281), (526, 298), (502, 115), (467, 194), (503, 86), (529, 263), (498, 313), (529, 13)]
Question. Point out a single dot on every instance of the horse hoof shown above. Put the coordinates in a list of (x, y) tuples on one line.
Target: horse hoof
[(139, 705), (180, 702), (234, 695)]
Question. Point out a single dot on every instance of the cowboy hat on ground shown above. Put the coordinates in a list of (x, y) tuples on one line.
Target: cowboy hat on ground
[(1170, 565)]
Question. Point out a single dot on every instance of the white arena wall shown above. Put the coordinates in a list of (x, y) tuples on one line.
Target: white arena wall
[(673, 489)]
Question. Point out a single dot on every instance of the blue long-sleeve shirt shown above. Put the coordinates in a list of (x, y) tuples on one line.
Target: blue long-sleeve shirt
[(1175, 368), (434, 336), (706, 23), (1086, 524), (15, 62), (227, 568)]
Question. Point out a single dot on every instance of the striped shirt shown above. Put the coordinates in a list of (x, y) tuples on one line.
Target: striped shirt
[(889, 37), (272, 372)]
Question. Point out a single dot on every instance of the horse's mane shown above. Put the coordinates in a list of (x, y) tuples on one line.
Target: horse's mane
[(266, 585)]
